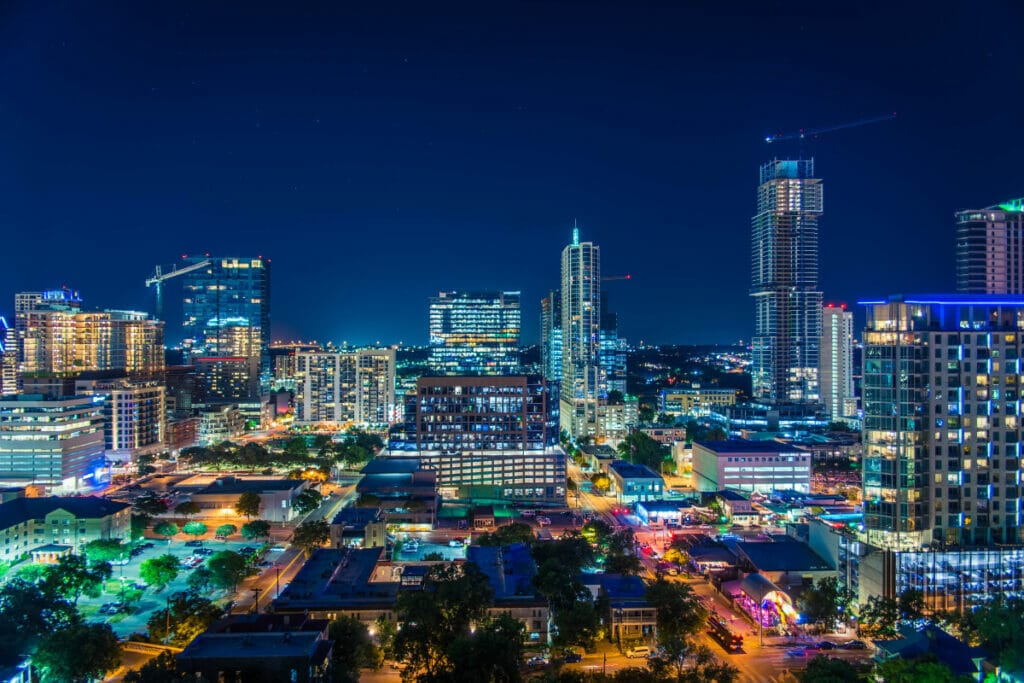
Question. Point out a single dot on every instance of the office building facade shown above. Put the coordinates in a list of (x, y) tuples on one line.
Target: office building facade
[(134, 416), (226, 379), (226, 309), (990, 249), (551, 336), (750, 466), (475, 333), (784, 282), (836, 373), (582, 377), (942, 431), (56, 443)]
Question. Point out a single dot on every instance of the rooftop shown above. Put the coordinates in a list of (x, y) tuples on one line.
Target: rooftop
[(391, 464), (731, 495), (510, 569), (914, 643), (338, 578), (253, 645), (19, 510), (787, 556), (356, 517), (628, 470), (664, 505), (234, 485), (950, 299), (744, 446)]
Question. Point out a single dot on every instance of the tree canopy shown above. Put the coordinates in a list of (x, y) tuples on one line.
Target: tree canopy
[(228, 569), (256, 529), (159, 571), (105, 550), (358, 651), (190, 615), (167, 529), (307, 501), (27, 613), (78, 652), (507, 534), (71, 576), (311, 535), (248, 505)]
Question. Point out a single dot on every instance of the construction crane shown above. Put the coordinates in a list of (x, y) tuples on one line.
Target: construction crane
[(613, 278), (159, 277), (815, 132)]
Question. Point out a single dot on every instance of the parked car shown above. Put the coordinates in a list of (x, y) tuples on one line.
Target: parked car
[(278, 548), (193, 544), (528, 513), (796, 652), (854, 645), (638, 651), (537, 661), (570, 657), (247, 550), (824, 645)]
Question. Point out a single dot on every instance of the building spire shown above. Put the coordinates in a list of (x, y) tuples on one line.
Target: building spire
[(575, 233)]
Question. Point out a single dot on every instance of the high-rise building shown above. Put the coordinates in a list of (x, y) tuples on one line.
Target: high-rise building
[(227, 311), (551, 336), (226, 379), (475, 333), (56, 443), (345, 387), (941, 425), (836, 372), (990, 249), (611, 351), (582, 377), (69, 341), (135, 415), (8, 359), (784, 282), (487, 437)]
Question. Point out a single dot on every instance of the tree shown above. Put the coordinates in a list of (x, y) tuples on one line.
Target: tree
[(829, 670), (307, 501), (911, 604), (27, 613), (620, 558), (78, 652), (187, 509), (358, 651), (166, 529), (105, 550), (296, 448), (999, 627), (680, 613), (642, 449), (195, 529), (139, 524), (225, 530), (161, 669), (310, 535), (190, 615), (227, 569), (492, 652), (434, 618), (159, 571), (201, 580), (878, 618), (72, 576), (256, 529), (248, 505), (516, 532), (922, 670), (601, 481), (824, 602)]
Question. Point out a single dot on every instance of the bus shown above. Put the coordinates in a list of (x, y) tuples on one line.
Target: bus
[(720, 631)]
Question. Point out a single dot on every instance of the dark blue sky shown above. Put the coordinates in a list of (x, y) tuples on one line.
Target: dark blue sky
[(381, 151)]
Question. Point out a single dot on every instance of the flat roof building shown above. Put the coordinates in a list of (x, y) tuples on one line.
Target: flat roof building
[(750, 466)]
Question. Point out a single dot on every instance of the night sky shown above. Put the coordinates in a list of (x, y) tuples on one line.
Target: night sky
[(378, 152)]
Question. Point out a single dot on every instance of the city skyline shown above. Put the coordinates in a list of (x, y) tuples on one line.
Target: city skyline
[(356, 131)]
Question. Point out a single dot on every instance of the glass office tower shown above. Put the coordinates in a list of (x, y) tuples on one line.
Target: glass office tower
[(475, 333)]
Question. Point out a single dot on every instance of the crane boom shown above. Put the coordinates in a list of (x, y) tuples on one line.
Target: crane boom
[(813, 132), (159, 276)]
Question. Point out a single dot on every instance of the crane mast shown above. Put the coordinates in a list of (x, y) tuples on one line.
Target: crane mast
[(159, 277)]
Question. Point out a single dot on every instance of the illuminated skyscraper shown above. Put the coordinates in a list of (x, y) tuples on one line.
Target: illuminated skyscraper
[(784, 282), (345, 387), (581, 331), (227, 310), (837, 362), (475, 333), (551, 336), (8, 359), (990, 249)]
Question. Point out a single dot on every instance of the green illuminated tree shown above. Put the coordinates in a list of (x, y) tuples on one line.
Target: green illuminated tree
[(195, 529), (78, 652), (105, 550), (225, 530), (159, 571), (256, 529), (72, 576), (166, 529), (227, 569)]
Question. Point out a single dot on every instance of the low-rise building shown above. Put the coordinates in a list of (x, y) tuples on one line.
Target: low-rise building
[(276, 495), (261, 648), (510, 571), (785, 563), (28, 524), (743, 465), (631, 618), (659, 512), (599, 457), (694, 401), (342, 581), (736, 508), (632, 483), (665, 434), (404, 489), (359, 527)]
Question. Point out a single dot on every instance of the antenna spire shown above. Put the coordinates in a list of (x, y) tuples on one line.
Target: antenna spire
[(575, 233)]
